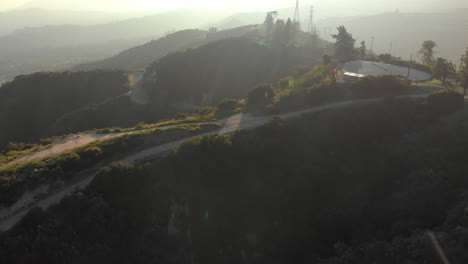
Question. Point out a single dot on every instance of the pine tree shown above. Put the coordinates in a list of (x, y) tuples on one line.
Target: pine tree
[(426, 53), (362, 49), (269, 25), (288, 33), (344, 45), (277, 37)]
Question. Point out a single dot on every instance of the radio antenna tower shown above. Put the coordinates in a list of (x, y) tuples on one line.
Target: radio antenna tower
[(311, 20), (297, 17)]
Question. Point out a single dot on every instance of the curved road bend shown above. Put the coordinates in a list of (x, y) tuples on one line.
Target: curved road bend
[(236, 122)]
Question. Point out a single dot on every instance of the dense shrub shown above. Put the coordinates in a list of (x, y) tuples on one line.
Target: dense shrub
[(12, 146), (198, 145), (228, 105), (260, 96), (414, 65), (285, 82), (91, 153), (445, 102), (10, 189), (315, 76), (325, 91), (387, 58), (68, 161), (326, 59), (316, 86), (298, 71), (290, 100), (378, 86)]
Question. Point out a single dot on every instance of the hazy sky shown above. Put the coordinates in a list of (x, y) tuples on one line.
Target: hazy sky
[(122, 5), (337, 7)]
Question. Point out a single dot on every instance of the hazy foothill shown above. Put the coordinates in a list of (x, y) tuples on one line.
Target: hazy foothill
[(329, 132)]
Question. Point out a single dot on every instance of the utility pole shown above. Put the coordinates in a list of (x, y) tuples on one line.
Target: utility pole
[(372, 45), (462, 59), (409, 66), (391, 47), (311, 20)]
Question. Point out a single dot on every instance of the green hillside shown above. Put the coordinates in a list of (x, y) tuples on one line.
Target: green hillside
[(227, 68), (188, 80), (30, 104), (354, 185)]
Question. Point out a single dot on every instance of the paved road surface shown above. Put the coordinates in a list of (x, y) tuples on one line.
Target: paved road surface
[(378, 68), (240, 121)]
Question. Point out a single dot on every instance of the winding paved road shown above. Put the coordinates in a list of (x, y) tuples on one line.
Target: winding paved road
[(237, 122)]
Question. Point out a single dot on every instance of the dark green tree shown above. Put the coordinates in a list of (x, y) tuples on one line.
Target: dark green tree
[(443, 68), (385, 57), (426, 53), (277, 36), (362, 49), (260, 96), (269, 24), (288, 32), (326, 59), (344, 45)]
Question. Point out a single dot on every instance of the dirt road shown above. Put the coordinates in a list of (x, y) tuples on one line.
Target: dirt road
[(68, 144), (237, 122)]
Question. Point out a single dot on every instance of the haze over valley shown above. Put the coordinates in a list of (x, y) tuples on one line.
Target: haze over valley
[(44, 35), (198, 132)]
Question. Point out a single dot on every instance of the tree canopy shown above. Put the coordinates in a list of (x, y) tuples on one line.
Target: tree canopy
[(443, 69), (362, 49), (344, 45), (426, 53)]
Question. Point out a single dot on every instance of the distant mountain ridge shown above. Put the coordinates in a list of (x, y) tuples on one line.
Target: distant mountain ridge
[(142, 56), (18, 19), (402, 33), (63, 46)]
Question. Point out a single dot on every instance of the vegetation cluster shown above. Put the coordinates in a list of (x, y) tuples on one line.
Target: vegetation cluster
[(380, 86), (290, 191), (223, 69), (18, 177)]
